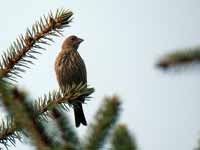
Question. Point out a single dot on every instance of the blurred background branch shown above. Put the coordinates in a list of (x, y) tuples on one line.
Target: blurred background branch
[(179, 57), (122, 139), (105, 119)]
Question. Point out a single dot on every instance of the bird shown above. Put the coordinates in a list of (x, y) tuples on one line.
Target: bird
[(70, 69)]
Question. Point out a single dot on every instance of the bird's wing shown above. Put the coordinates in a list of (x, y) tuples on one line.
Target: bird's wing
[(82, 71)]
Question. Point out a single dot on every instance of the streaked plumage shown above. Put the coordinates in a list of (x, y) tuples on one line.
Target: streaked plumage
[(70, 69)]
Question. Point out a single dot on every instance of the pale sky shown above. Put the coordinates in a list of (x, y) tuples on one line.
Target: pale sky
[(123, 40)]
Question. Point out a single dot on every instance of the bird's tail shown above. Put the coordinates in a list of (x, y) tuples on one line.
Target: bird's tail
[(79, 115)]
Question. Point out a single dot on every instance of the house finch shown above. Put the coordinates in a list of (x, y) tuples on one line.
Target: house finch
[(70, 69)]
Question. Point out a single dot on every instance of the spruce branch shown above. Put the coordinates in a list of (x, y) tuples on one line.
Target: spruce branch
[(14, 102), (6, 132), (56, 99), (42, 107), (198, 145), (122, 139), (24, 118), (23, 50), (105, 119), (182, 56), (69, 136), (47, 137)]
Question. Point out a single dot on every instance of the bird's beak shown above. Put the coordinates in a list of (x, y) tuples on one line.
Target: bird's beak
[(80, 40)]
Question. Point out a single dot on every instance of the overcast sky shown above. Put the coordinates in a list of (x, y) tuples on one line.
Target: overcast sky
[(123, 40)]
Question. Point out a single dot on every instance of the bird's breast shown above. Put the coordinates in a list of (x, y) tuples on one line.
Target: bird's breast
[(70, 69)]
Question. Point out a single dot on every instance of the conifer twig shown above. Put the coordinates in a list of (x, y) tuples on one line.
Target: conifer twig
[(122, 139), (182, 56), (69, 136), (23, 117), (56, 99), (105, 119), (6, 132), (12, 100), (20, 53), (42, 106)]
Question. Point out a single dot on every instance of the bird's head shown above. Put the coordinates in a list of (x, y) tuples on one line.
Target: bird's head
[(71, 43)]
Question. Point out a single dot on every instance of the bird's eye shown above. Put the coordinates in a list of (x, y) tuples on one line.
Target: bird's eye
[(73, 38)]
